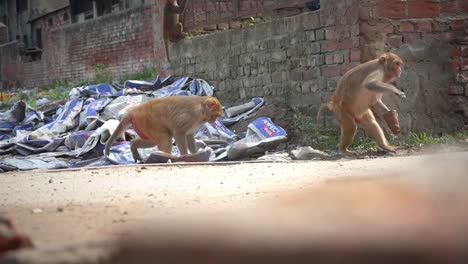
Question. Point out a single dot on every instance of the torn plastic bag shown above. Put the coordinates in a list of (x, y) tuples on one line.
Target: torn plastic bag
[(97, 140), (262, 134), (93, 162), (203, 155), (148, 86), (200, 87), (94, 91), (32, 121), (172, 89), (236, 113), (162, 81), (140, 85), (30, 163), (215, 131), (91, 110), (38, 146), (66, 120), (117, 107), (77, 140), (120, 153)]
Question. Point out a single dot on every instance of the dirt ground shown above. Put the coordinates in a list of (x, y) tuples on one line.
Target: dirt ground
[(59, 207)]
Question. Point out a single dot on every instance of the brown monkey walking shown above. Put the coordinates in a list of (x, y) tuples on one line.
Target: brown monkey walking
[(159, 120), (172, 27), (359, 92)]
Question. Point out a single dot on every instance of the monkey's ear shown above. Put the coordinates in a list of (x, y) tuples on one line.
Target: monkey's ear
[(211, 102), (383, 58)]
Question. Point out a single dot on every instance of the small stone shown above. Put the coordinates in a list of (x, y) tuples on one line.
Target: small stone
[(59, 209), (37, 211), (50, 181)]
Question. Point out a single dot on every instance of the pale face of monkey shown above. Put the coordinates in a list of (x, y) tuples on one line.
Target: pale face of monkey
[(392, 66), (214, 110)]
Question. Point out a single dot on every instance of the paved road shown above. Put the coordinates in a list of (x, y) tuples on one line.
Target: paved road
[(69, 206)]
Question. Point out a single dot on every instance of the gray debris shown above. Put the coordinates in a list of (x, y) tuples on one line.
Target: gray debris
[(307, 153)]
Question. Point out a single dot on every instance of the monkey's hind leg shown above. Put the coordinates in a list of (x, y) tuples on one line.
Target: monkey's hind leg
[(348, 129), (375, 131), (139, 143)]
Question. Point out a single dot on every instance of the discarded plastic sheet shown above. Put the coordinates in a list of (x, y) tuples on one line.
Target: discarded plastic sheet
[(29, 163), (204, 155), (262, 134), (237, 113), (78, 129)]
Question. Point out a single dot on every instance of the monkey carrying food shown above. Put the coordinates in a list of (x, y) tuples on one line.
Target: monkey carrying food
[(358, 94), (159, 120), (172, 27)]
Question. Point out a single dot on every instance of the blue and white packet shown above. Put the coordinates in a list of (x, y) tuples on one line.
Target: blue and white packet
[(262, 134)]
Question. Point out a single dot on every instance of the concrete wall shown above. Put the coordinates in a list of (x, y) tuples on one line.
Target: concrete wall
[(295, 58), (299, 59)]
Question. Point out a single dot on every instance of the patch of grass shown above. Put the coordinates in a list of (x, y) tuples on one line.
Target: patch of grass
[(102, 74), (311, 134), (146, 74), (423, 138)]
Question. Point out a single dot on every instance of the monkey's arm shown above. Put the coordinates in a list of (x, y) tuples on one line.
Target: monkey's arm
[(380, 108), (378, 86)]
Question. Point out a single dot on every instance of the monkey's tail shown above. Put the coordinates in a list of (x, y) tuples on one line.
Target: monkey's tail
[(167, 49), (119, 130), (322, 109)]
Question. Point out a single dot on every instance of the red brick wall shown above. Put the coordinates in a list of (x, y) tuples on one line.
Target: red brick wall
[(432, 38), (123, 42)]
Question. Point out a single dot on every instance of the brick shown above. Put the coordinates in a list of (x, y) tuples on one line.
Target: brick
[(331, 71), (423, 26), (406, 27), (311, 74), (332, 46), (458, 25), (329, 59), (320, 34), (449, 7), (348, 66), (346, 44), (391, 9), (355, 55), (386, 28), (423, 9), (395, 41), (338, 58)]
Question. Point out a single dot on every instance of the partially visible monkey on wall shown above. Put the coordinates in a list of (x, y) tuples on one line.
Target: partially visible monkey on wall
[(172, 27), (360, 91), (159, 120)]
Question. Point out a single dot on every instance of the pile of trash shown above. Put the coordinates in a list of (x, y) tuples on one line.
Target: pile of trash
[(72, 134)]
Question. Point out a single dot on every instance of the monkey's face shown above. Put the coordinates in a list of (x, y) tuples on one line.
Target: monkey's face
[(396, 68), (392, 64), (213, 111)]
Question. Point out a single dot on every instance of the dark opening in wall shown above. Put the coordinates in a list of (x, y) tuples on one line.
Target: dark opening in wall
[(21, 5), (50, 22), (65, 17)]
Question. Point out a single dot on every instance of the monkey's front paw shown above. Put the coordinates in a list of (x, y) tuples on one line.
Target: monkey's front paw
[(402, 95)]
